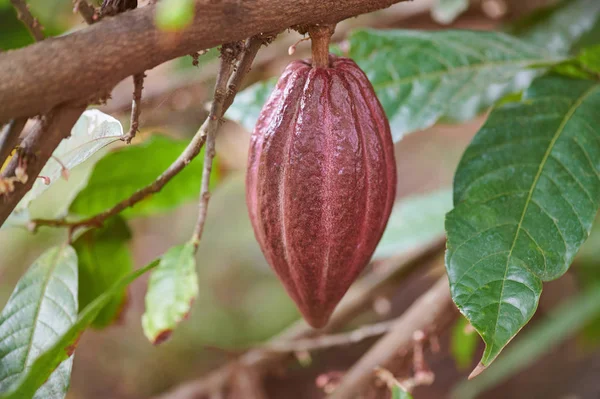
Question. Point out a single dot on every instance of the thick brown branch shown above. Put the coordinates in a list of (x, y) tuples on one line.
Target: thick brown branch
[(32, 24), (422, 315), (356, 300), (115, 48)]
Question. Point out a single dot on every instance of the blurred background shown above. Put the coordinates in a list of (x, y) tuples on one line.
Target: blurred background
[(241, 303)]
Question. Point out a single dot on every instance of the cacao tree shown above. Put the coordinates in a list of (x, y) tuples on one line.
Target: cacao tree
[(97, 222)]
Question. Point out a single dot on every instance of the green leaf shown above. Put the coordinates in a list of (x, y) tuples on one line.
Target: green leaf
[(463, 343), (41, 308), (399, 393), (92, 132), (172, 289), (590, 59), (446, 11), (526, 193), (174, 14), (558, 27), (248, 103), (421, 77), (415, 220), (121, 173), (536, 342), (25, 386), (104, 259)]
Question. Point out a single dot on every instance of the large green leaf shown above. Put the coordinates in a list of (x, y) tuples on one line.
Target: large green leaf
[(415, 220), (42, 307), (558, 27), (526, 193), (420, 77), (25, 386), (121, 173), (104, 259), (536, 342), (172, 289)]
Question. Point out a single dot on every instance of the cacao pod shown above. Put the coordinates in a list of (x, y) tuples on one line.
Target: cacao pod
[(321, 181)]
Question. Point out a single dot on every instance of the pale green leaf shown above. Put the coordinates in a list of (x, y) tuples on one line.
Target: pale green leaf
[(249, 102), (172, 289), (25, 386), (463, 343), (536, 342), (415, 220), (121, 173), (525, 193), (92, 132), (42, 307), (174, 14), (399, 393), (446, 11), (104, 259)]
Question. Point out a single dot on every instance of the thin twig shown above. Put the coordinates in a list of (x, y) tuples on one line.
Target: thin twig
[(212, 126), (356, 300), (422, 315), (136, 106), (190, 152), (32, 24), (228, 83), (86, 11), (328, 341), (9, 138)]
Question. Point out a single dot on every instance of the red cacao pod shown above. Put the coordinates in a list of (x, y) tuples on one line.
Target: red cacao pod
[(321, 181)]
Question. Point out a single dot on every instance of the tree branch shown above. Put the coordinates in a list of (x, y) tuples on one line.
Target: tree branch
[(32, 24), (328, 341), (225, 91), (115, 48), (422, 315), (136, 106), (356, 300)]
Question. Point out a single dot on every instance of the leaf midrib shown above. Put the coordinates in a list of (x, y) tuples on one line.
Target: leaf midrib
[(45, 284), (556, 136)]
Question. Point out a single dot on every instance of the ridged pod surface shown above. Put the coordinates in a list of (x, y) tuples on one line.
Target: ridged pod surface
[(321, 181)]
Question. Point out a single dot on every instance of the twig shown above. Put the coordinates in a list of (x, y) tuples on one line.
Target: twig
[(136, 106), (212, 126), (225, 89), (9, 138), (86, 11), (422, 315), (190, 152), (328, 341), (32, 24), (356, 300)]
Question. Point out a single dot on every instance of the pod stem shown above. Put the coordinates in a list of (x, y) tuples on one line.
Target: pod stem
[(320, 36)]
